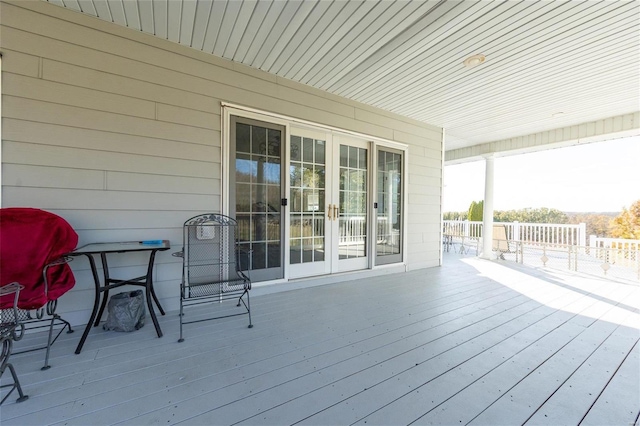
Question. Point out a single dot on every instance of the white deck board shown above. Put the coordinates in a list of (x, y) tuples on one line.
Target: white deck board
[(493, 373), (621, 391), (518, 402), (513, 339), (446, 345), (569, 403)]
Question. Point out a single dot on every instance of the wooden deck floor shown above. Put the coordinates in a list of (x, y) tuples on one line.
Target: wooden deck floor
[(472, 342)]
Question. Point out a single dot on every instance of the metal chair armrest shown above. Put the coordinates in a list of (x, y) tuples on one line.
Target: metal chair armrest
[(9, 325), (59, 261)]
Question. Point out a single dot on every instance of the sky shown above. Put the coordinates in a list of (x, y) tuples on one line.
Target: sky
[(594, 177)]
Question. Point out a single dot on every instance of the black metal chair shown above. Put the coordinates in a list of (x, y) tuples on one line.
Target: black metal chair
[(9, 324), (211, 271)]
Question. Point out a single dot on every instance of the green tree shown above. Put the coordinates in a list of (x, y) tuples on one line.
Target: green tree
[(597, 224), (627, 224), (505, 216), (454, 215), (529, 215), (476, 211), (546, 215)]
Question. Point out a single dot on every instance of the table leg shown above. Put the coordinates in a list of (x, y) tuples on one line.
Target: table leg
[(96, 302), (149, 280), (151, 293), (107, 282), (155, 298)]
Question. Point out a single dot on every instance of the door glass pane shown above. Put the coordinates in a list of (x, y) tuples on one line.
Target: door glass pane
[(353, 157), (243, 138), (258, 140), (344, 156), (272, 171), (296, 254), (319, 151), (389, 212), (243, 198), (307, 210), (296, 148), (307, 150), (243, 167), (295, 200), (353, 203)]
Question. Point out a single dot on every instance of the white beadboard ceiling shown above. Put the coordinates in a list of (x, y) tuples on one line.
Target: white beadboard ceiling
[(549, 64)]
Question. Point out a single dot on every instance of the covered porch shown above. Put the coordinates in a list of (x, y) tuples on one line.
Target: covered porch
[(474, 341), (126, 133)]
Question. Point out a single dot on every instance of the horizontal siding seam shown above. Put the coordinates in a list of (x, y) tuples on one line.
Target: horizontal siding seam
[(108, 131), (212, 111), (112, 94), (106, 151)]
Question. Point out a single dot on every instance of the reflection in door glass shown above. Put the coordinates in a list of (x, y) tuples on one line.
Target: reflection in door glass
[(389, 210), (307, 200), (353, 203), (258, 179)]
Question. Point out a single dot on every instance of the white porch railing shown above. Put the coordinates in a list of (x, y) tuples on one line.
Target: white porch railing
[(615, 243), (531, 233), (615, 250), (617, 263), (553, 245), (353, 230)]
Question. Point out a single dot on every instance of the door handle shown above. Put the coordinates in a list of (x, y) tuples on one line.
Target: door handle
[(329, 211), (335, 212)]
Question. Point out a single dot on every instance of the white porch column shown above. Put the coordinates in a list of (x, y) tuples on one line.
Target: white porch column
[(487, 211)]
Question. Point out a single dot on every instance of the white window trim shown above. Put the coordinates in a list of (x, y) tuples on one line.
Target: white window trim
[(240, 110)]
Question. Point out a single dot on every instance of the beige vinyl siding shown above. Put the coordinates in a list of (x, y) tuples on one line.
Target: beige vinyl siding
[(119, 133)]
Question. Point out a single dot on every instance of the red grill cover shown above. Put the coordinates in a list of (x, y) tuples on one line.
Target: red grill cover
[(29, 240)]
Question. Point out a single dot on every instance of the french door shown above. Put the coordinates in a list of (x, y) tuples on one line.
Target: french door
[(312, 202), (350, 204), (329, 185), (310, 237)]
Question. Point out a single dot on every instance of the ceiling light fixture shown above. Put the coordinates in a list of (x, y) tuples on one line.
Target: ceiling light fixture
[(474, 61)]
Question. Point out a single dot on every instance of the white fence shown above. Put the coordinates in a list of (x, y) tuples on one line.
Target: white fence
[(615, 251), (614, 243), (353, 230), (530, 233), (553, 245)]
